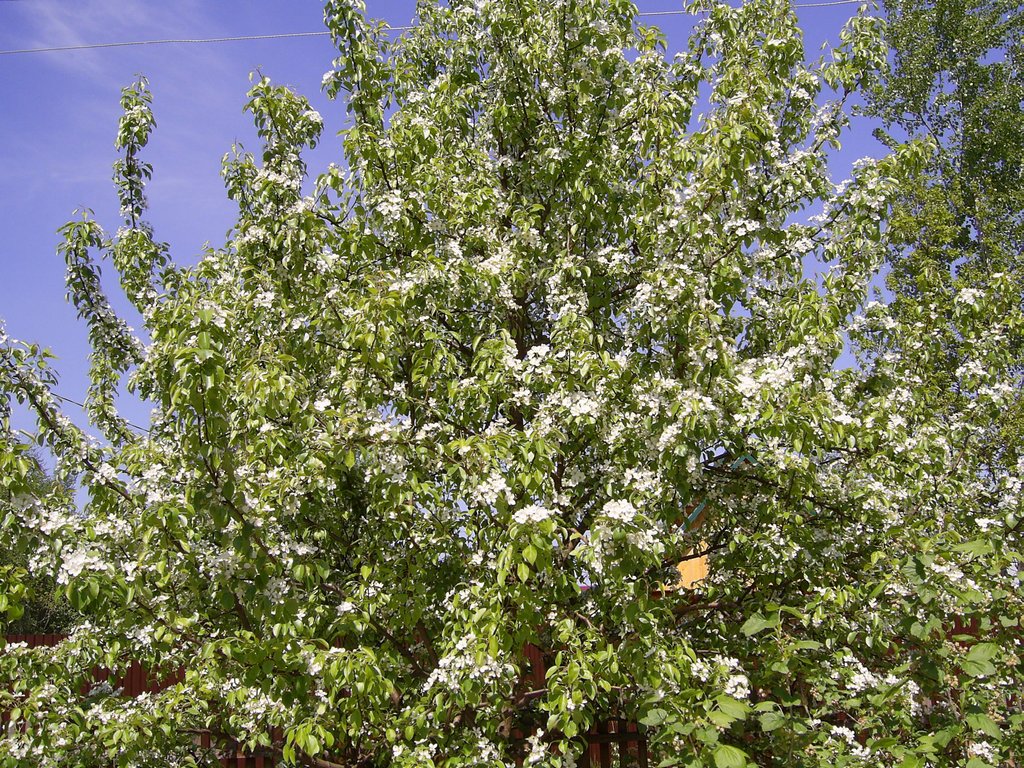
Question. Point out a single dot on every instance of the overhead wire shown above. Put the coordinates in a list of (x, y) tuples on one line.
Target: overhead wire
[(287, 35), (168, 41), (795, 5), (84, 407), (284, 36)]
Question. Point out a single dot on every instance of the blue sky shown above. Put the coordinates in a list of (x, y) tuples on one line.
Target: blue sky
[(60, 114)]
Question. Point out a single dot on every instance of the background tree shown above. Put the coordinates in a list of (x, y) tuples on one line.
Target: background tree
[(414, 406), (956, 78)]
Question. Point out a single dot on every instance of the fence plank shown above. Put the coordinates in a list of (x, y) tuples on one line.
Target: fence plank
[(613, 735)]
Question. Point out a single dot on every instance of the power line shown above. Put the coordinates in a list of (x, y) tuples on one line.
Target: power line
[(169, 41), (834, 2), (795, 5), (286, 35), (83, 407)]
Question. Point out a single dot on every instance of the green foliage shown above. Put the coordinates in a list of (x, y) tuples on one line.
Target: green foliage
[(460, 396), (957, 80), (30, 602)]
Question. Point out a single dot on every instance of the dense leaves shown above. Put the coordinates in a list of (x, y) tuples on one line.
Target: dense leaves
[(466, 392), (957, 80), (29, 597)]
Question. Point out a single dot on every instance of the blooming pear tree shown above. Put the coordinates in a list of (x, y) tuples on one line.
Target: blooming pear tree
[(463, 395)]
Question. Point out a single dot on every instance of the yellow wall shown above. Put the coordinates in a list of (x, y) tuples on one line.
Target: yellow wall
[(691, 572)]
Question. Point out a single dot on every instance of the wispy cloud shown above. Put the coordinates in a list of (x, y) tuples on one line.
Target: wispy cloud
[(51, 23)]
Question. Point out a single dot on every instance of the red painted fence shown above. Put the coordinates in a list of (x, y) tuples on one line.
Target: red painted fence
[(137, 681), (613, 742)]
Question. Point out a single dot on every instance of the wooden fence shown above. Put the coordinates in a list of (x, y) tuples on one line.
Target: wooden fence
[(615, 743), (137, 681), (612, 743), (134, 682)]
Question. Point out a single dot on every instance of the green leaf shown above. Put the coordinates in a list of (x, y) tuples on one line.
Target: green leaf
[(733, 707), (720, 718), (654, 717), (730, 757), (807, 645), (985, 724), (975, 547), (983, 652), (523, 572), (757, 623), (977, 662), (530, 554)]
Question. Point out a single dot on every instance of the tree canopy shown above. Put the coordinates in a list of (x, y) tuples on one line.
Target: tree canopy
[(956, 79), (463, 394)]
